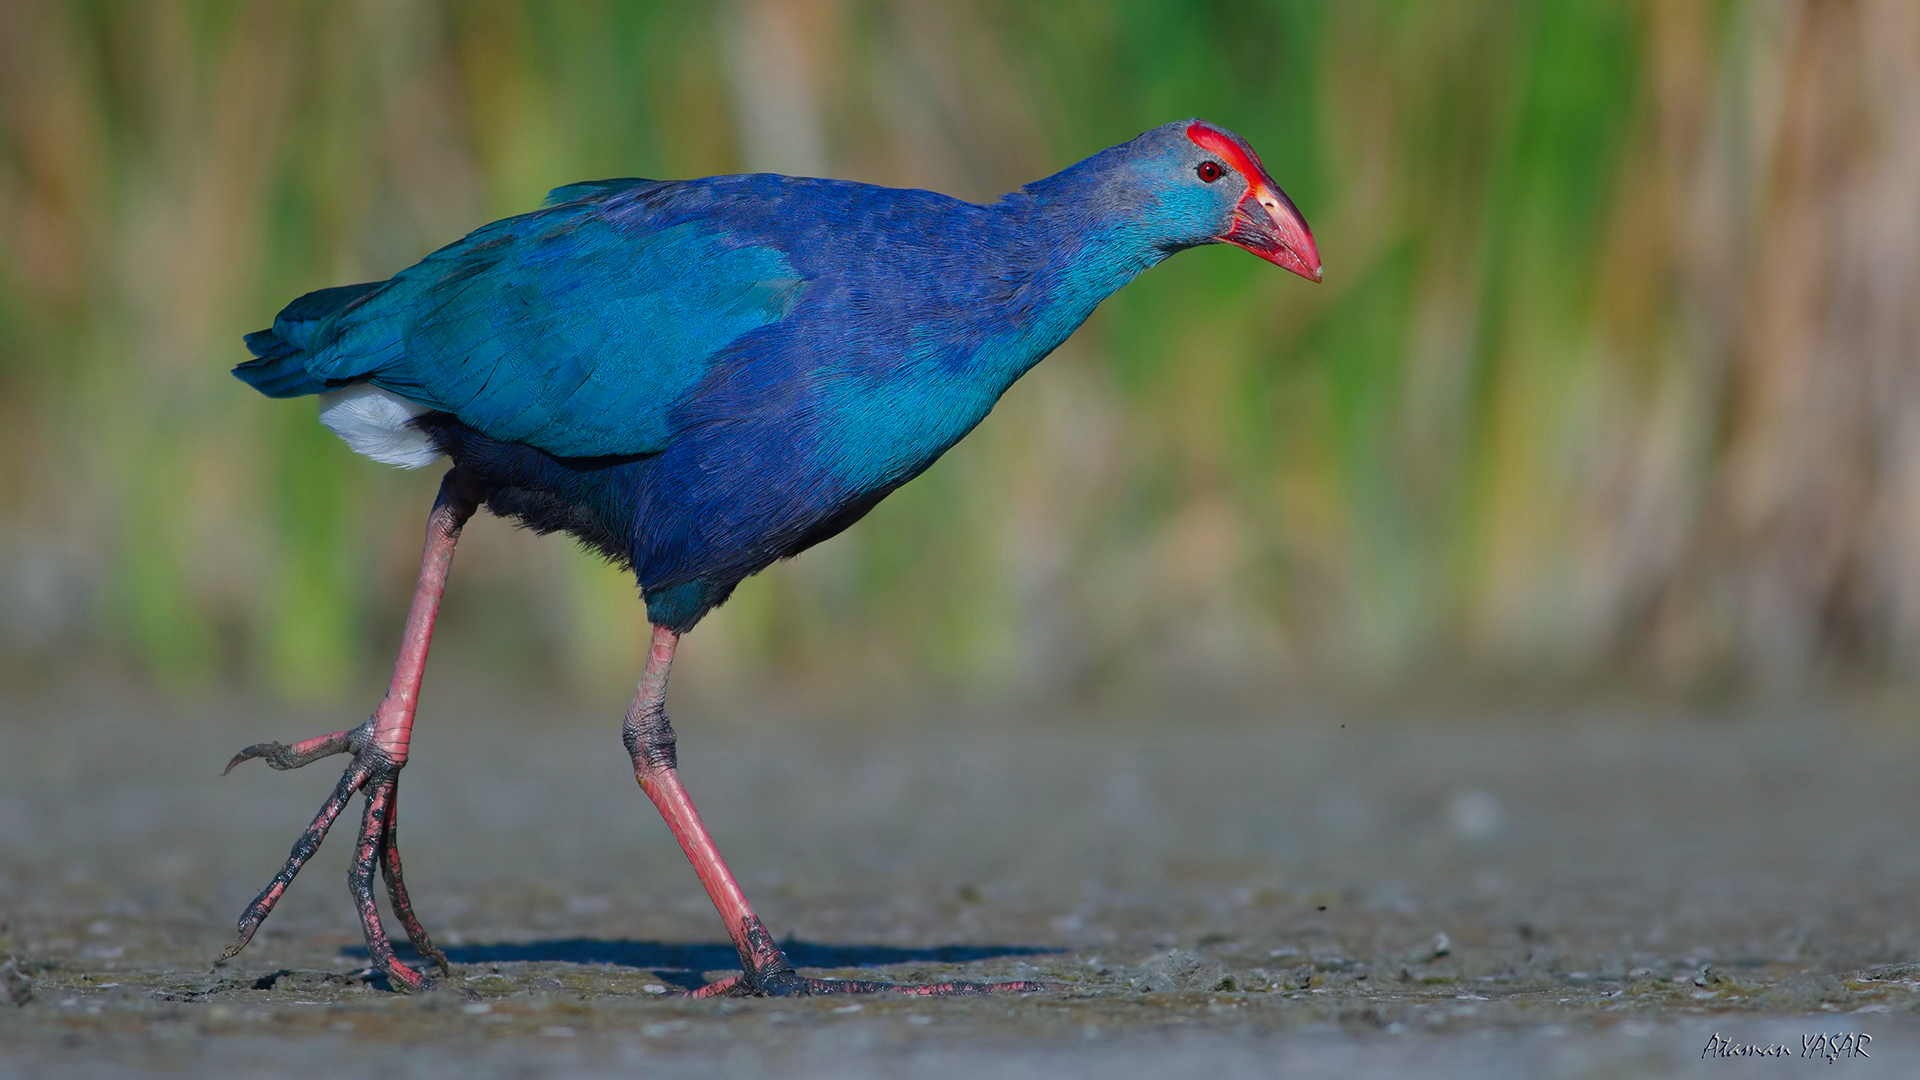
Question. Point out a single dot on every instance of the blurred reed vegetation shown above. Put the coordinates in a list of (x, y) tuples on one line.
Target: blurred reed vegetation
[(1613, 373)]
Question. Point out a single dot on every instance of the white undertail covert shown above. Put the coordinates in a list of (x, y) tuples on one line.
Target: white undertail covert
[(374, 422)]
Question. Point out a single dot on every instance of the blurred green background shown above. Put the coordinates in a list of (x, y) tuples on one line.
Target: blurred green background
[(1613, 375)]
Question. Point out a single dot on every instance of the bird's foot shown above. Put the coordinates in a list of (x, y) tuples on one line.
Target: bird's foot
[(376, 772), (766, 973), (792, 984)]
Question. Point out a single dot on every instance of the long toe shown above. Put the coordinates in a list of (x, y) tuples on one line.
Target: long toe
[(256, 913), (793, 984), (281, 756), (370, 852)]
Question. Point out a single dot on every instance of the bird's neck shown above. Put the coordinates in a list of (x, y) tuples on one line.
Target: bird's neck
[(1041, 271), (1067, 260)]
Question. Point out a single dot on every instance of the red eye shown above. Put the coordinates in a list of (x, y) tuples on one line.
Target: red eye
[(1209, 171)]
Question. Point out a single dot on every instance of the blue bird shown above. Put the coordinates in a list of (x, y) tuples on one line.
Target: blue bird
[(697, 378)]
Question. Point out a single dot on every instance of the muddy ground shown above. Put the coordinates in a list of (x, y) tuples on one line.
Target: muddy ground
[(1256, 888)]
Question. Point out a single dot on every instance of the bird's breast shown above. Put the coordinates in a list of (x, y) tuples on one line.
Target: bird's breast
[(879, 428)]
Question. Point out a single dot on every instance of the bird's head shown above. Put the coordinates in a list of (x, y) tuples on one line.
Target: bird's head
[(1198, 183)]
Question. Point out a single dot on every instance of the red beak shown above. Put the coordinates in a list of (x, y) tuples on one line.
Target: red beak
[(1268, 224)]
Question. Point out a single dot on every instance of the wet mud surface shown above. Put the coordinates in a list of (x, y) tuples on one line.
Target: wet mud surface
[(1255, 889)]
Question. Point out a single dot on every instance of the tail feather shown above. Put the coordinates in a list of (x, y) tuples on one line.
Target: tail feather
[(279, 366), (298, 320)]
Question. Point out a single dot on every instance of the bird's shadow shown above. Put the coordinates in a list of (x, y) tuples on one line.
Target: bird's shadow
[(683, 963)]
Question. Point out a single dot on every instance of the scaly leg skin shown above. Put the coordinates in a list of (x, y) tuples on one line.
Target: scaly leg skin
[(764, 967), (379, 749), (397, 888)]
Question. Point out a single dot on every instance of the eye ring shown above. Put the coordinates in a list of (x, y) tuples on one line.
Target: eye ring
[(1209, 171)]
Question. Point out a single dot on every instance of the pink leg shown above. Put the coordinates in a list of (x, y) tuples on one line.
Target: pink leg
[(764, 967), (379, 749)]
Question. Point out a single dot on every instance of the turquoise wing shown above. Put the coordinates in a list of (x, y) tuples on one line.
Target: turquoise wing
[(576, 329)]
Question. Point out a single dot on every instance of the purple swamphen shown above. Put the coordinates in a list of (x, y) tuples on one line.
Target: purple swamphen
[(698, 377)]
